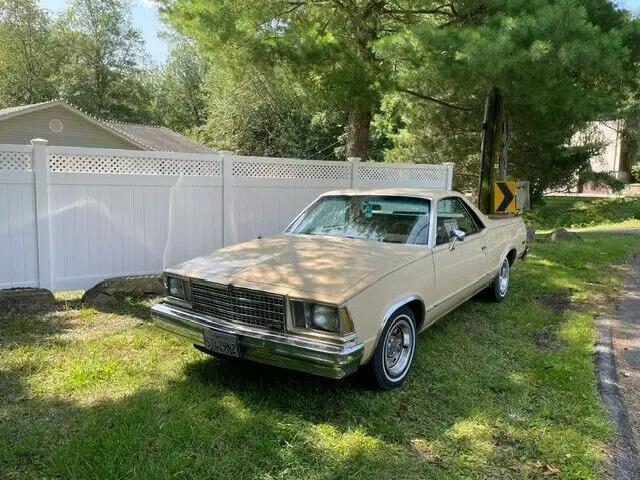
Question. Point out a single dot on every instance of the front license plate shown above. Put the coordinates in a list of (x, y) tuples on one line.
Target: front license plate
[(221, 343)]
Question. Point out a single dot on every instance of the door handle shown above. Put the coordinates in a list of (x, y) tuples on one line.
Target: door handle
[(484, 247)]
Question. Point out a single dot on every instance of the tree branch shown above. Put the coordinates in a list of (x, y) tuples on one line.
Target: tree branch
[(460, 18), (447, 9), (296, 4), (305, 2), (422, 96)]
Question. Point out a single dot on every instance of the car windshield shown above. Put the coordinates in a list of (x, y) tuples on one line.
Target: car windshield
[(383, 218)]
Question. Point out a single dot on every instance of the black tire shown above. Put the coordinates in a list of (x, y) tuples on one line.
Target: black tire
[(499, 289), (387, 374)]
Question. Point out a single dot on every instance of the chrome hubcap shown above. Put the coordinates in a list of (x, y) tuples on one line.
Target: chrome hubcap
[(503, 278), (398, 348)]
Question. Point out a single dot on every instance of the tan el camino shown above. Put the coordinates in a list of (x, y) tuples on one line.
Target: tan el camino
[(349, 284)]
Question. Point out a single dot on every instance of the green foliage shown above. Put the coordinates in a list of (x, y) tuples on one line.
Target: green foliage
[(261, 114), (635, 171), (91, 56), (27, 62), (326, 48), (556, 70), (103, 76), (318, 42), (180, 98), (601, 180), (575, 212)]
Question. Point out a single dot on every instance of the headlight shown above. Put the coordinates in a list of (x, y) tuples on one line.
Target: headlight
[(175, 287), (319, 317), (324, 317)]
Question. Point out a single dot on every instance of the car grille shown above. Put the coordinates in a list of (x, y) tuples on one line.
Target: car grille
[(240, 305)]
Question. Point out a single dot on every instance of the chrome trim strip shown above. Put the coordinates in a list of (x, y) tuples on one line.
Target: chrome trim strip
[(395, 306), (177, 302), (274, 348)]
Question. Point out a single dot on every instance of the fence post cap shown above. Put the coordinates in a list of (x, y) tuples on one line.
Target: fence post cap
[(39, 141), (354, 159)]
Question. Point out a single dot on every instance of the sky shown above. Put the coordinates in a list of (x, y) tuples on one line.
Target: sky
[(633, 5), (145, 18)]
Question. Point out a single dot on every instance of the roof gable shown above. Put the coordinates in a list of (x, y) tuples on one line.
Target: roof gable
[(11, 112), (142, 136)]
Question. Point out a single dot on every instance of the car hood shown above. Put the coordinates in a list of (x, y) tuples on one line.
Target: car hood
[(323, 266)]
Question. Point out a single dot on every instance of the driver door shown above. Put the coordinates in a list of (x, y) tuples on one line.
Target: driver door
[(458, 265)]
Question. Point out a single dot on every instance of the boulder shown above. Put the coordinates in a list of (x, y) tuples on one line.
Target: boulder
[(137, 287), (563, 234), (26, 300)]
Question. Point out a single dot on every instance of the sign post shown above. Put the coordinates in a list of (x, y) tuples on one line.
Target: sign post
[(491, 133)]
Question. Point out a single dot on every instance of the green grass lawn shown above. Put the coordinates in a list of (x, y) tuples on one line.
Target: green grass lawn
[(581, 212), (497, 391)]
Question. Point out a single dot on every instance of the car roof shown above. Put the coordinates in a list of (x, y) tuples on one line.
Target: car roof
[(429, 193)]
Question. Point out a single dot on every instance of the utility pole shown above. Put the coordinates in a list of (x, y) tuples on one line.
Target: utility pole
[(492, 131)]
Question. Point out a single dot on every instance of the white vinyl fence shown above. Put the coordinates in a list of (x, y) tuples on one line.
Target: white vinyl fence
[(71, 217)]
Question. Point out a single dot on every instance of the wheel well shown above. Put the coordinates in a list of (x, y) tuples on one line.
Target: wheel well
[(511, 256), (417, 308)]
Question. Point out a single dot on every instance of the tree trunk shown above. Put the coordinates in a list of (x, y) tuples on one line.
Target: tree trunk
[(630, 143), (358, 132)]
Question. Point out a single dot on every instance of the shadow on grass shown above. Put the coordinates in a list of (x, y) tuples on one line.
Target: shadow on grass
[(137, 307), (52, 325)]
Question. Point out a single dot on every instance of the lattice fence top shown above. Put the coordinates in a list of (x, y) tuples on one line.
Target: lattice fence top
[(15, 161), (295, 170), (390, 174), (133, 165)]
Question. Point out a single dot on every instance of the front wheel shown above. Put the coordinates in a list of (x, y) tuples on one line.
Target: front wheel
[(393, 356), (498, 290)]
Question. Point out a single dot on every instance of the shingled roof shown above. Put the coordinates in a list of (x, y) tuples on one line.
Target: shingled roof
[(159, 139)]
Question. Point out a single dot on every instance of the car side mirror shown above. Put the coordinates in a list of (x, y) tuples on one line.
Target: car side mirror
[(457, 234)]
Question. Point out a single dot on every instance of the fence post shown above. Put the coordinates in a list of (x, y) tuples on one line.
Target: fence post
[(227, 197), (355, 165), (449, 166), (41, 173)]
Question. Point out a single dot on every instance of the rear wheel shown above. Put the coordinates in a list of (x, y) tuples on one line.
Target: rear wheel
[(498, 290), (392, 359)]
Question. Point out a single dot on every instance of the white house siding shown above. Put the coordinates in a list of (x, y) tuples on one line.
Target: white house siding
[(76, 132), (610, 135)]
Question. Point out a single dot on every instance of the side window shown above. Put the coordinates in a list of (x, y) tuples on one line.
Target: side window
[(452, 214), (480, 226)]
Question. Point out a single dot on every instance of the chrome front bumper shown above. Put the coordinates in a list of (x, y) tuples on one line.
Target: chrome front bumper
[(273, 348)]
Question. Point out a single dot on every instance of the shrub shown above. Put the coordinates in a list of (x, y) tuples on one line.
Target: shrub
[(635, 172)]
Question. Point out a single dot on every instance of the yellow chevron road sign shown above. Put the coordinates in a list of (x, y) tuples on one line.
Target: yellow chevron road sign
[(503, 197)]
